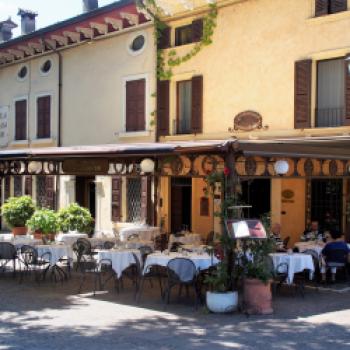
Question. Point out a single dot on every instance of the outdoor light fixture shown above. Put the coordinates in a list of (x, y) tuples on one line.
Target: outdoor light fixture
[(281, 167), (34, 167), (147, 166)]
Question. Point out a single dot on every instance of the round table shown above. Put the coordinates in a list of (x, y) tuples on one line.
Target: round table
[(57, 251), (121, 259), (296, 263), (317, 247), (201, 261), (70, 238)]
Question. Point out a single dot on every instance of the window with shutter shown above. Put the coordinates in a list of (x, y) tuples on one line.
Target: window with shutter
[(134, 199), (21, 120), (44, 117), (146, 202), (17, 186), (163, 90), (302, 95), (197, 30), (326, 7), (116, 198), (135, 105), (50, 192), (190, 33)]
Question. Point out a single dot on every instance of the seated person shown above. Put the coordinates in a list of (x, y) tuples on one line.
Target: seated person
[(276, 235), (312, 233), (335, 251)]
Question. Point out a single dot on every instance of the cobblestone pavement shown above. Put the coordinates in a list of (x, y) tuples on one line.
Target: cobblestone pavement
[(53, 317)]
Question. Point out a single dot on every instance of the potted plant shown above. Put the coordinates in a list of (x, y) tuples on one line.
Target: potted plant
[(223, 297), (75, 218), (16, 211), (258, 274), (43, 222)]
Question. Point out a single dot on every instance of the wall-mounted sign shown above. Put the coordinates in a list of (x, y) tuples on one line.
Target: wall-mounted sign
[(247, 121), (288, 196), (4, 139), (88, 166)]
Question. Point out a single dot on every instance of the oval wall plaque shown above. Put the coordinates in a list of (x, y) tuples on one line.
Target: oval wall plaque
[(247, 121)]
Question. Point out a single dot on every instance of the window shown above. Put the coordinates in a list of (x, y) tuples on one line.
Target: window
[(138, 43), (330, 93), (190, 33), (44, 117), (17, 186), (189, 106), (46, 67), (184, 89), (183, 35), (135, 105), (326, 7), (134, 199), (41, 191), (21, 120), (22, 73)]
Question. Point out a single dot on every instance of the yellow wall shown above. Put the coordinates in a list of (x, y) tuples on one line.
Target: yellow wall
[(250, 65)]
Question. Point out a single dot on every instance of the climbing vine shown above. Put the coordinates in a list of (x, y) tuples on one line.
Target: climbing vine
[(165, 65)]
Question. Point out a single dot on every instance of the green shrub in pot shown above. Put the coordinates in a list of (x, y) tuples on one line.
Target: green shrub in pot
[(75, 218), (43, 221), (16, 211)]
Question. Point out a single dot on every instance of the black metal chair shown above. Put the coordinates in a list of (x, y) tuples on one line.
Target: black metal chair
[(181, 272), (145, 250), (83, 251), (34, 263), (316, 261), (279, 273), (175, 246), (286, 242), (97, 269), (210, 238), (8, 253)]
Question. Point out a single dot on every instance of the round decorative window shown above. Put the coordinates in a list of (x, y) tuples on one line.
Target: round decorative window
[(138, 43), (46, 67), (22, 73)]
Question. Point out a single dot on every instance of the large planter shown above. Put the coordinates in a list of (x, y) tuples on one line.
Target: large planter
[(257, 297), (222, 302), (20, 231)]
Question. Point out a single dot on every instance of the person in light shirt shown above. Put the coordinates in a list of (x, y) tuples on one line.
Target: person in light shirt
[(313, 233)]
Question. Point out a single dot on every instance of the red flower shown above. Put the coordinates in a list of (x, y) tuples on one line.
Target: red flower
[(226, 171)]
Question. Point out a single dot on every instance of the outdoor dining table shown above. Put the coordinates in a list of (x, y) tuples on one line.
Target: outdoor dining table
[(121, 258), (296, 263), (70, 238), (310, 245), (146, 233), (201, 261), (57, 252)]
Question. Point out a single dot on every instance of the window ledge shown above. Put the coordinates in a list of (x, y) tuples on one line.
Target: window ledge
[(134, 134), (19, 143), (48, 140), (329, 18)]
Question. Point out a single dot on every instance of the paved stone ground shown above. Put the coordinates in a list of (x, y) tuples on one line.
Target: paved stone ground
[(53, 317)]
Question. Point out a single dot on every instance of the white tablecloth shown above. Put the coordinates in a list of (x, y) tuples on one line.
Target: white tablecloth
[(317, 247), (202, 262), (70, 238), (191, 238), (98, 242), (57, 251), (18, 241), (121, 259), (145, 233), (296, 263)]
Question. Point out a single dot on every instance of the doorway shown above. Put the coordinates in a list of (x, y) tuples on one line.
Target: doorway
[(181, 204), (327, 203), (85, 193), (257, 193)]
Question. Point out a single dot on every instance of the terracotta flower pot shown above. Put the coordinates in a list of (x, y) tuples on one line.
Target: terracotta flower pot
[(19, 231), (38, 235), (257, 297)]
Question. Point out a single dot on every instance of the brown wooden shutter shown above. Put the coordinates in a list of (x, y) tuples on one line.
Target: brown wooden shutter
[(197, 105), (50, 192), (135, 105), (44, 117), (302, 98), (116, 198), (164, 39), (163, 91), (146, 203), (197, 30), (21, 120), (321, 7), (338, 6), (347, 91), (28, 187)]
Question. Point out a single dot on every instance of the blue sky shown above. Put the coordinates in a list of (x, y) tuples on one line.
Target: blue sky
[(50, 11)]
